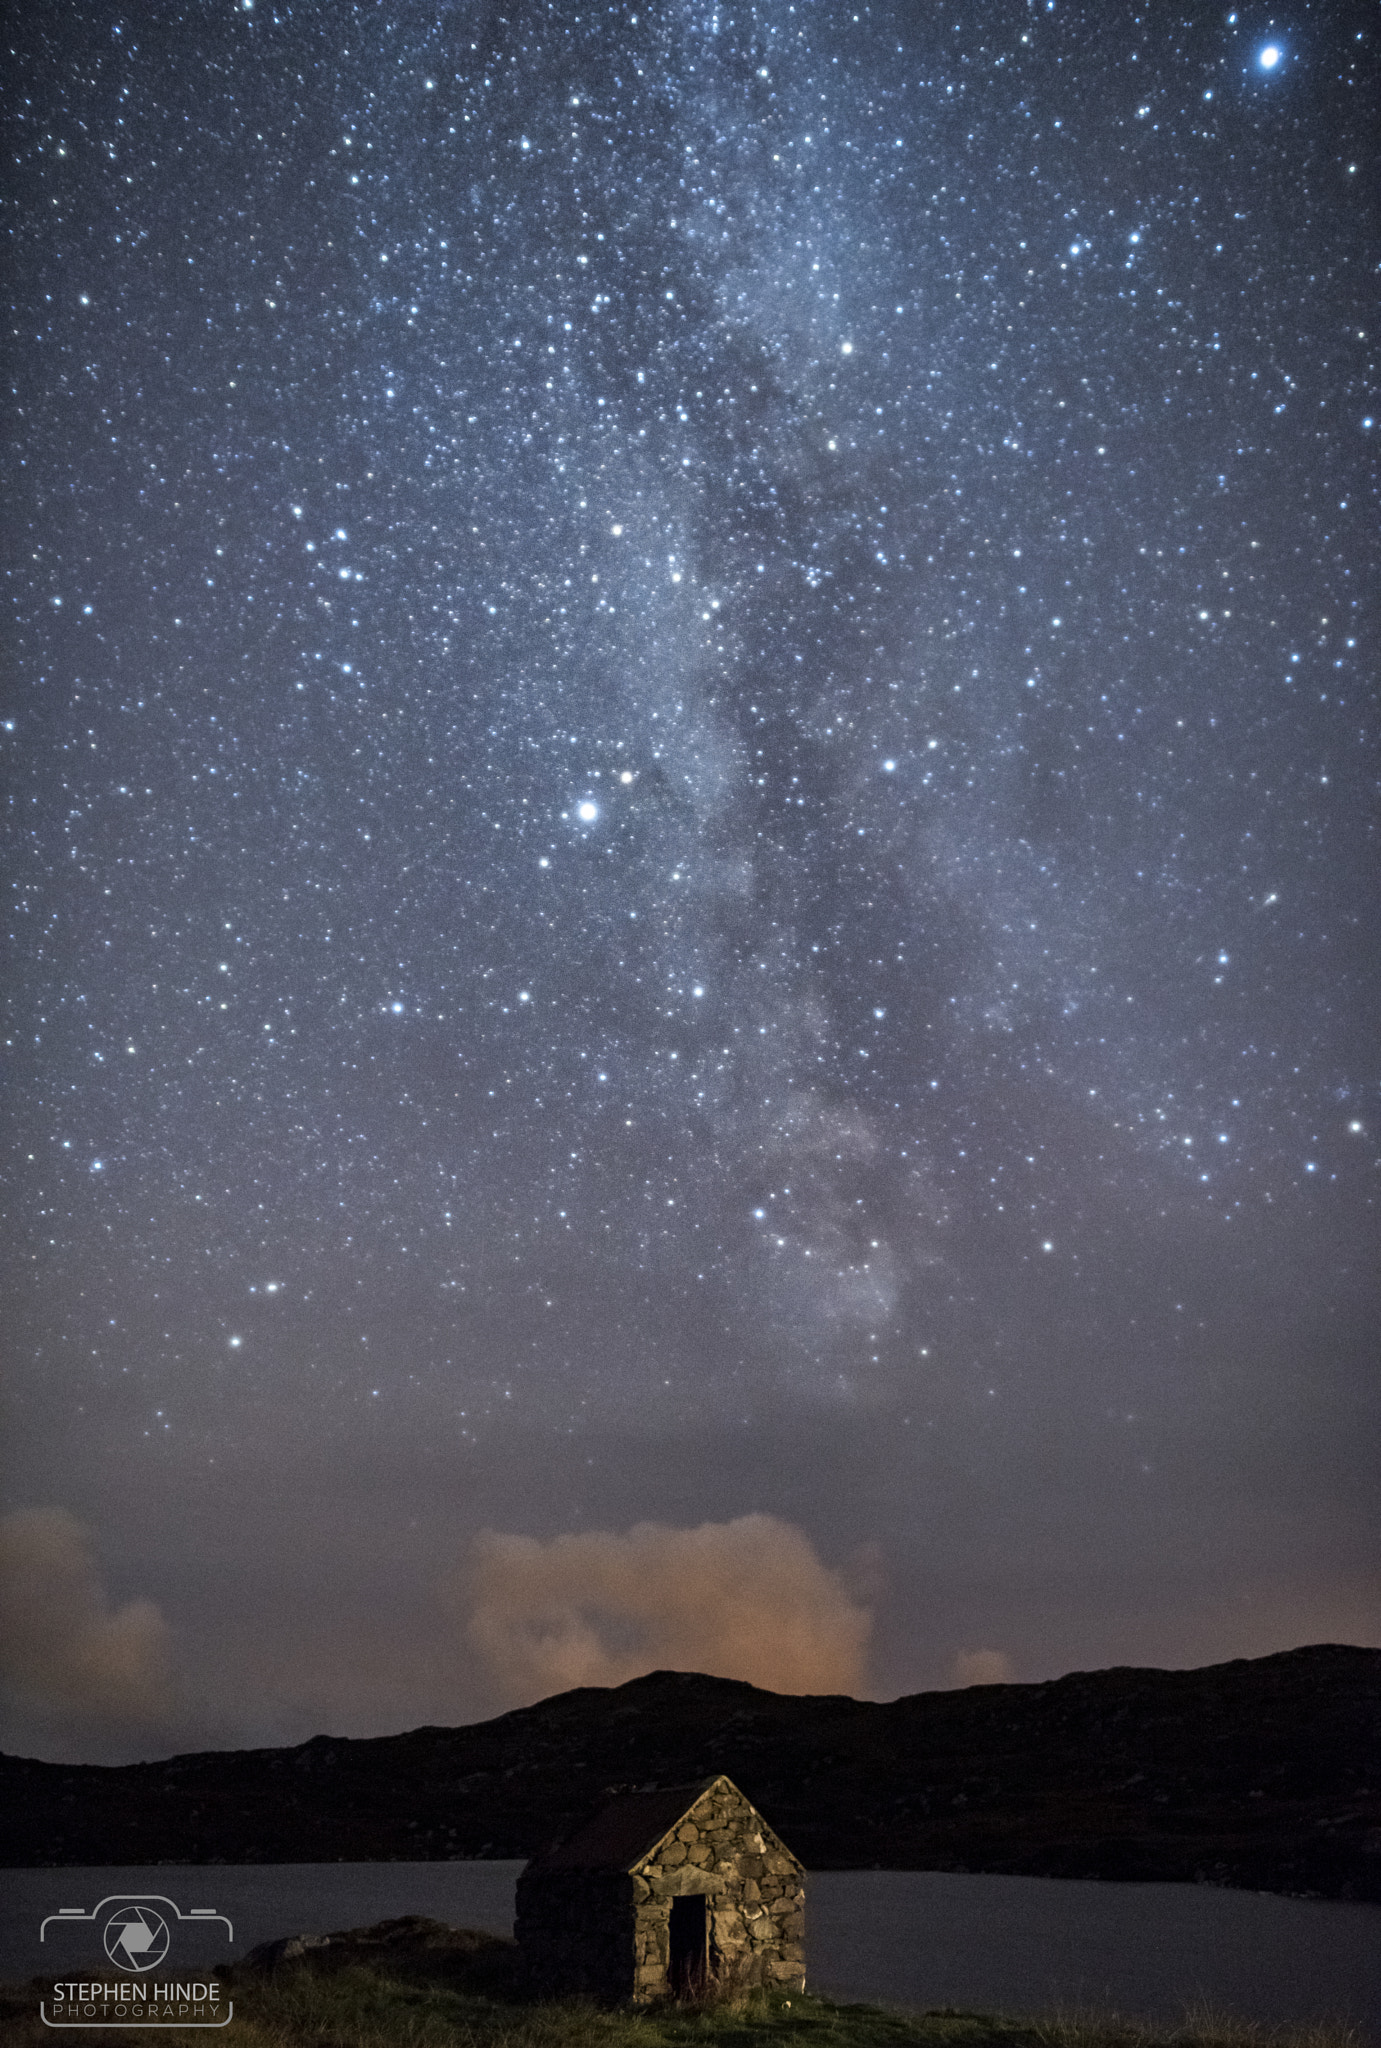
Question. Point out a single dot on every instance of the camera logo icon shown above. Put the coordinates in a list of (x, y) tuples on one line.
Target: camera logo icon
[(136, 1938)]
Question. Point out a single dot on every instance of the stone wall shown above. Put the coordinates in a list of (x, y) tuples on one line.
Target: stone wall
[(576, 1932), (755, 1899), (608, 1934)]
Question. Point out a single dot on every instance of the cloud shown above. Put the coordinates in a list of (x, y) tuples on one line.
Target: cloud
[(743, 1599), (982, 1667), (65, 1653)]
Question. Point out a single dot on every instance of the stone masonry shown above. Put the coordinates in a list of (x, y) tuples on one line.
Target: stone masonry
[(665, 1893)]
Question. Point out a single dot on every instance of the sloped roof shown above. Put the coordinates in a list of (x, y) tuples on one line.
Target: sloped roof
[(623, 1834)]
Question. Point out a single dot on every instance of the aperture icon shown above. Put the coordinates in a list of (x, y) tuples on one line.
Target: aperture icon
[(136, 1938)]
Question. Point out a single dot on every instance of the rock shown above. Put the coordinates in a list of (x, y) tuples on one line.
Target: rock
[(290, 1949), (410, 1936)]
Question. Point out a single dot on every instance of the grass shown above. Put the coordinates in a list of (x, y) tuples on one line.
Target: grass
[(419, 1994)]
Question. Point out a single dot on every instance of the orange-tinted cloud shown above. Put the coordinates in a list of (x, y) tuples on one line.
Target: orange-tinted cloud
[(982, 1667), (65, 1653), (743, 1599)]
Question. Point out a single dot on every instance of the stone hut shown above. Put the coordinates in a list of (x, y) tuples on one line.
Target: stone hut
[(662, 1894)]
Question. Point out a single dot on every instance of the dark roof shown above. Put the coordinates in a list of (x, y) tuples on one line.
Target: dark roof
[(627, 1830)]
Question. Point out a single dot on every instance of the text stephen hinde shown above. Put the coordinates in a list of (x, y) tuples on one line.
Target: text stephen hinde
[(174, 1998)]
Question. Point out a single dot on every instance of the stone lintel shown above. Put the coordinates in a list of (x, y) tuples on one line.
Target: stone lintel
[(685, 1883)]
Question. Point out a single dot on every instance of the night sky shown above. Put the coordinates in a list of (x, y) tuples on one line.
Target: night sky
[(690, 752)]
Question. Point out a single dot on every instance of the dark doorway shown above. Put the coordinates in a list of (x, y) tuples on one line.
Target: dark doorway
[(689, 1960)]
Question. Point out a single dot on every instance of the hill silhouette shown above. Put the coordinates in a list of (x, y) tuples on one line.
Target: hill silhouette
[(1263, 1773)]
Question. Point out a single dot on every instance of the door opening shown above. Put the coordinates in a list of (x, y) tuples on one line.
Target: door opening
[(688, 1964)]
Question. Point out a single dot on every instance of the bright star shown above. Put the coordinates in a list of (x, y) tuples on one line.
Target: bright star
[(587, 811)]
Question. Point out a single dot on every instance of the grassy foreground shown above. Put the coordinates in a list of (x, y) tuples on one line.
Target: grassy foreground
[(463, 1992), (360, 2008)]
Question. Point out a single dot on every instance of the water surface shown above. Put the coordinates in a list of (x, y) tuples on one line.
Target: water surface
[(913, 1938)]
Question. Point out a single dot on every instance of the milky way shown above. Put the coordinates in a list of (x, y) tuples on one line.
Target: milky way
[(692, 806)]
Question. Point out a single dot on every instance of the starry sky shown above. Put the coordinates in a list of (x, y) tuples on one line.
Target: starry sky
[(691, 778)]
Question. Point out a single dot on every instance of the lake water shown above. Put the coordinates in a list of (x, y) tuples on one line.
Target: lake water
[(911, 1938)]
